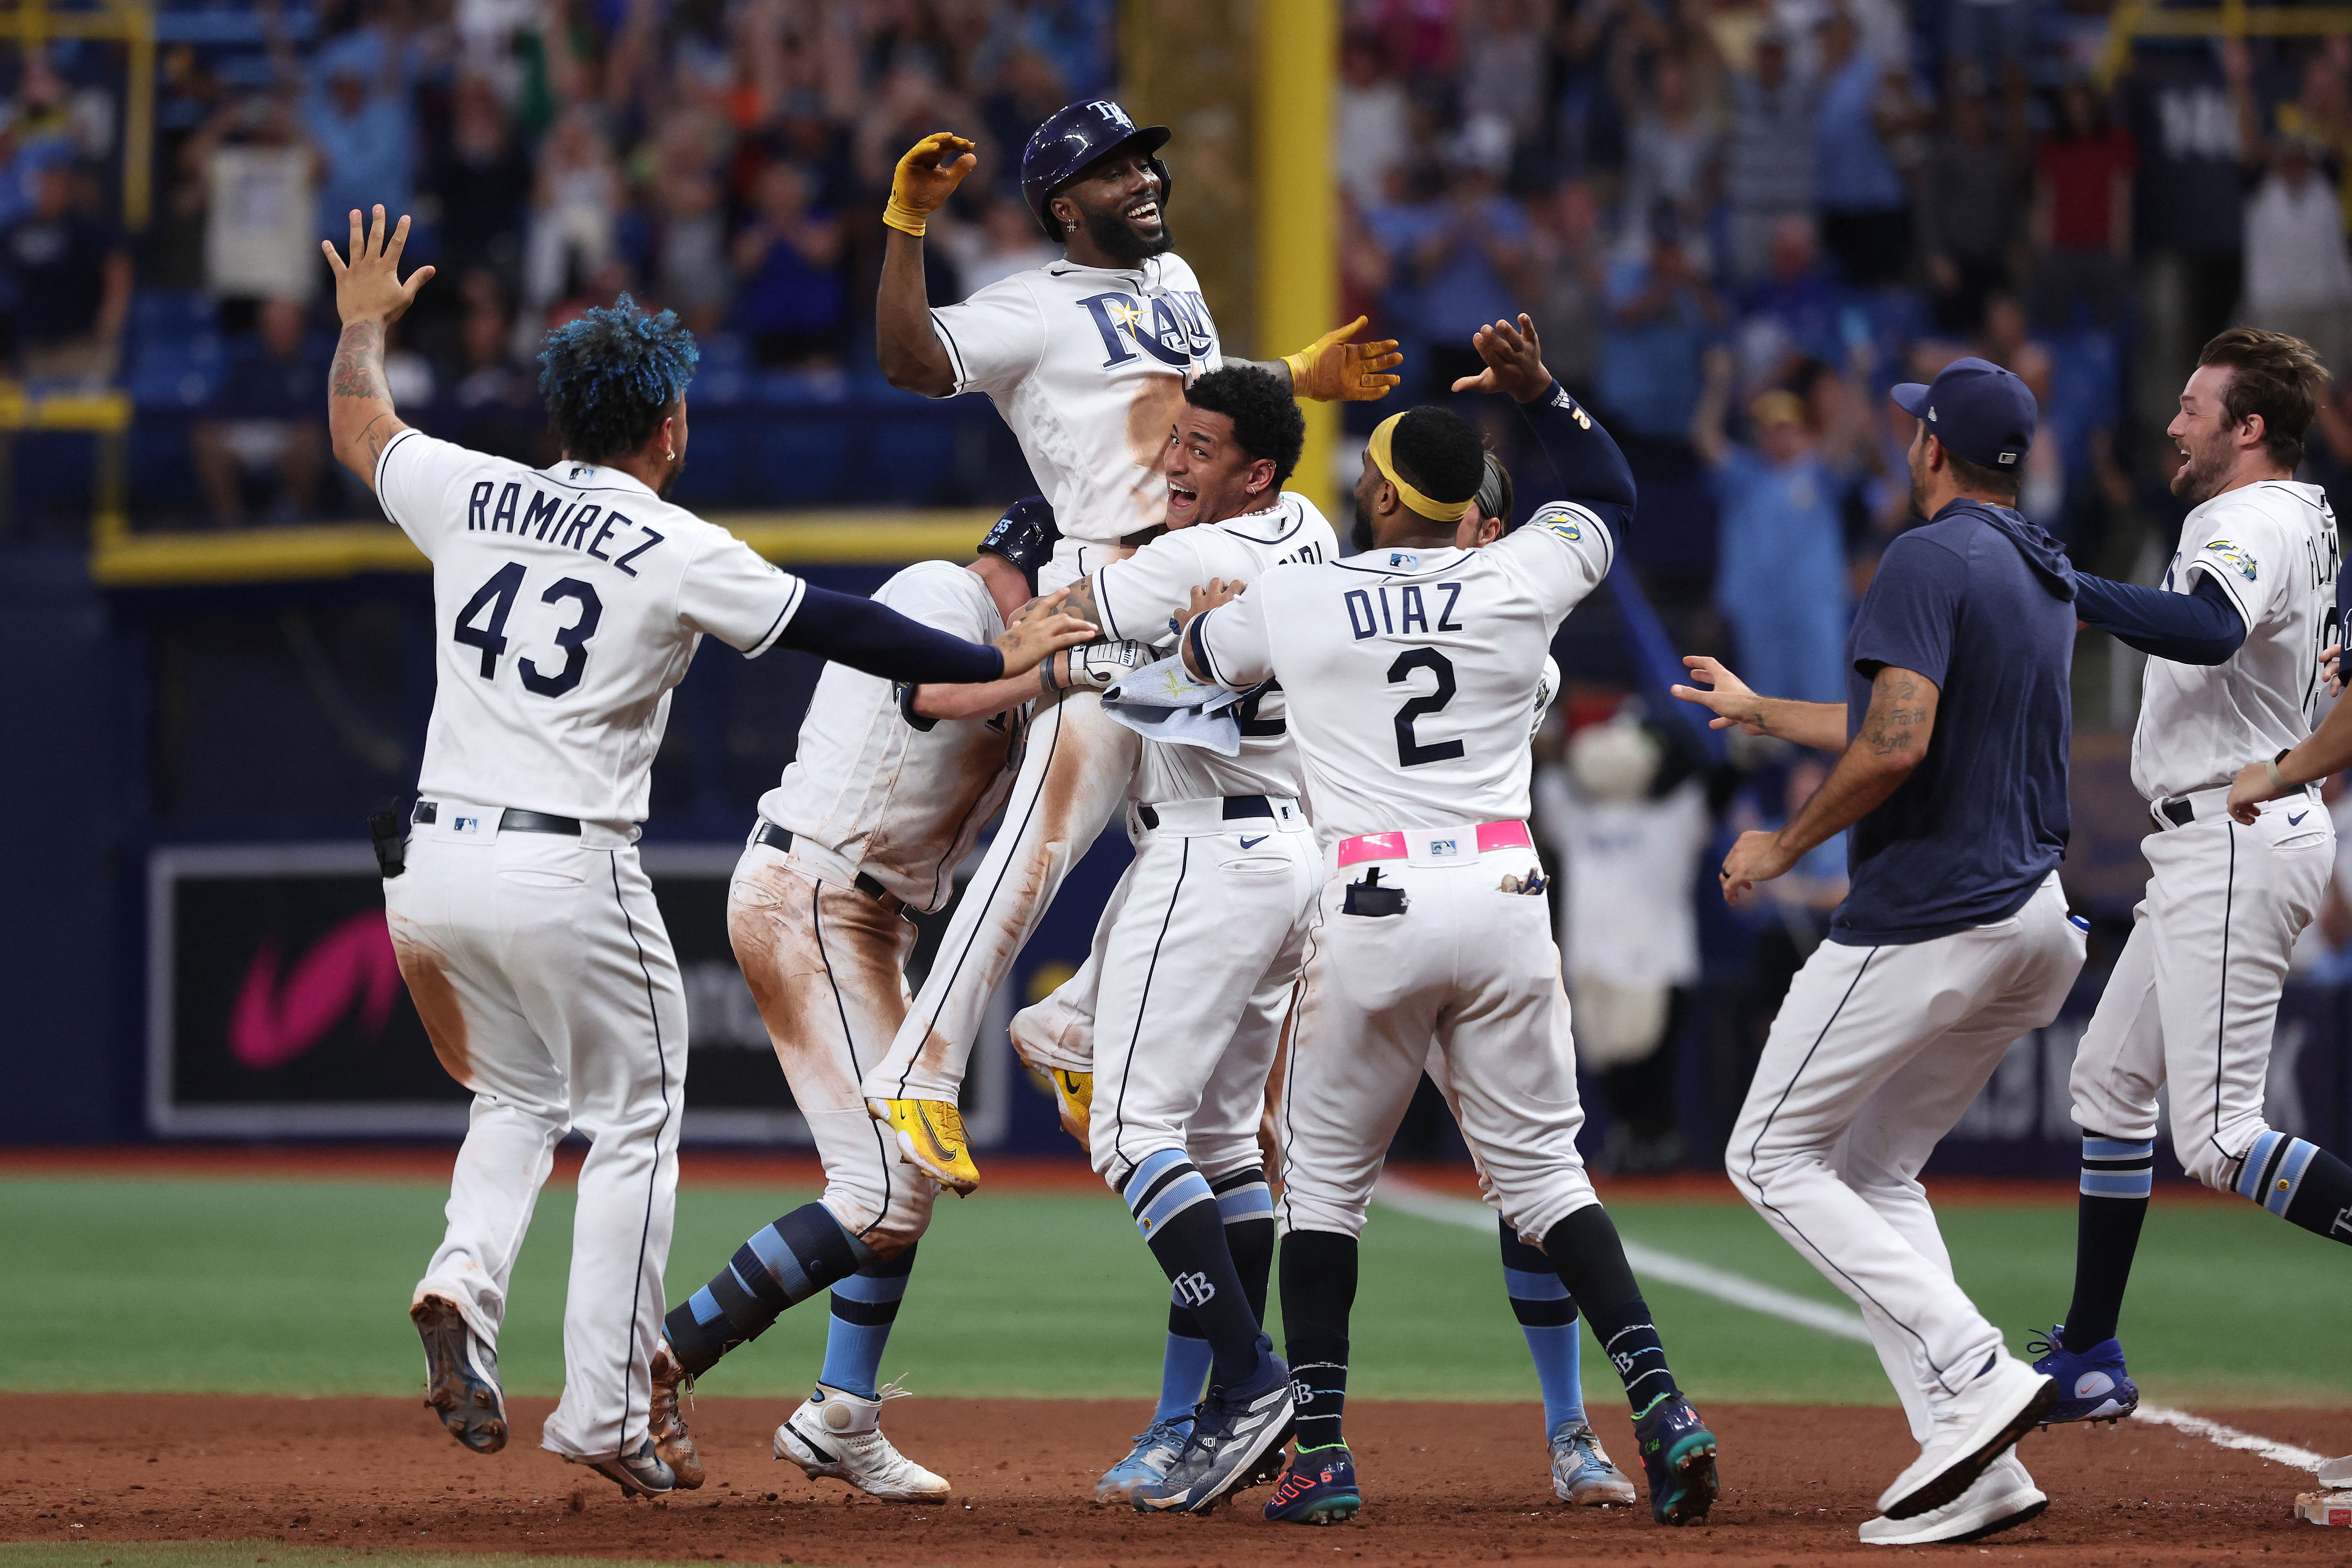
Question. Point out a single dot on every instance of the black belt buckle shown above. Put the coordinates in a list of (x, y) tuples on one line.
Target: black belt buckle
[(2178, 813), (390, 842), (1369, 898)]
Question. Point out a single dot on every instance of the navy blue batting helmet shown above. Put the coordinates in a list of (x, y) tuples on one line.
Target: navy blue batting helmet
[(1075, 136), (1025, 535)]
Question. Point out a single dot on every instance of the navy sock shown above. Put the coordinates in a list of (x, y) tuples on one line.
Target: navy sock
[(1584, 1250), (2117, 1176), (865, 1305), (1178, 1218), (1319, 1291), (1247, 1205), (784, 1264), (1547, 1315), (2301, 1182)]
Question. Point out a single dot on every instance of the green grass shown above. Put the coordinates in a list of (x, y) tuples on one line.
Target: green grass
[(275, 1555), (301, 1287)]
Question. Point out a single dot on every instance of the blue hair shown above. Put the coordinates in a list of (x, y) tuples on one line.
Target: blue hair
[(609, 374)]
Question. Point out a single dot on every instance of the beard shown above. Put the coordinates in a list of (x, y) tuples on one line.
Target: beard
[(1359, 532), (669, 481), (2200, 479), (1113, 236)]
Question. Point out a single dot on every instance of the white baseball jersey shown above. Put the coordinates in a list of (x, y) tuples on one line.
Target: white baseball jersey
[(1411, 672), (1137, 597), (902, 800), (2272, 547), (1088, 366), (568, 601)]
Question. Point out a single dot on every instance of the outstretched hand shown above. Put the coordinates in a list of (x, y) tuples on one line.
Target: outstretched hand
[(1514, 357), (926, 177), (368, 288), (1337, 368), (1727, 696)]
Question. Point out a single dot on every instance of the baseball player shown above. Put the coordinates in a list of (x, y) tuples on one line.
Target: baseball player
[(889, 790), (568, 601), (2241, 850), (1954, 941), (1086, 359), (1409, 673)]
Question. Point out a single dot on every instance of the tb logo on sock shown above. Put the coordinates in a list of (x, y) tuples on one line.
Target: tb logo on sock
[(1194, 1289), (2343, 1223)]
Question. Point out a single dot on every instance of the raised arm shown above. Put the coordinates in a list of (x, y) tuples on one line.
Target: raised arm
[(1583, 455), (1894, 738), (1820, 725), (913, 359), (369, 297)]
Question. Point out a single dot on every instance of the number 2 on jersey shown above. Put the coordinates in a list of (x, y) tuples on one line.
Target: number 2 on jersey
[(497, 597), (1411, 751)]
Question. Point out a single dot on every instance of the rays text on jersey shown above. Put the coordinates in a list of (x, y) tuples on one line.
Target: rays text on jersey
[(559, 520)]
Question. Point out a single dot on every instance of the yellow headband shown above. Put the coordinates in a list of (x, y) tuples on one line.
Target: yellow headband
[(1435, 511)]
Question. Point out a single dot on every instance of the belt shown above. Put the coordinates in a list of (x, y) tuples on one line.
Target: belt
[(513, 819), (781, 839), (1203, 815), (2202, 805), (1433, 843)]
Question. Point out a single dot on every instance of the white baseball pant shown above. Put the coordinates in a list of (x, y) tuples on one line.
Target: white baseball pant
[(544, 976), (827, 965), (2194, 994), (1469, 968), (1207, 928), (1074, 769), (1875, 1053)]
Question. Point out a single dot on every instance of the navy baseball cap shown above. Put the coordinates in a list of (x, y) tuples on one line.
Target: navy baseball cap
[(1977, 409)]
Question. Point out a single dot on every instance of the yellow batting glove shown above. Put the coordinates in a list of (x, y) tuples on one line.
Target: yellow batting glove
[(926, 176), (1335, 369)]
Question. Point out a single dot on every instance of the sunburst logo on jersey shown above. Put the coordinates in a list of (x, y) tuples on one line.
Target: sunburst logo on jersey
[(1126, 315), (2233, 556)]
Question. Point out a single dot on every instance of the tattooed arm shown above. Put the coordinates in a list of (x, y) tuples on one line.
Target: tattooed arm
[(370, 297), (1893, 737)]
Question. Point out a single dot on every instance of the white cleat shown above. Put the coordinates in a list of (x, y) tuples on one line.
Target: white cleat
[(2001, 1498), (1973, 1428), (838, 1434)]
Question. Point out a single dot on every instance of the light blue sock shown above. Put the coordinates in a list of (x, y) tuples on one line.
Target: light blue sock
[(864, 1306), (1183, 1370), (1548, 1318)]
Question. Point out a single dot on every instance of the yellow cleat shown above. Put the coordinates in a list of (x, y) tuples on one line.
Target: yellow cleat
[(1074, 1096), (931, 1138)]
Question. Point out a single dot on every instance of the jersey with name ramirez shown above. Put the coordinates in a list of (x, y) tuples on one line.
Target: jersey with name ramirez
[(901, 799), (567, 602), (2272, 547), (1136, 598), (1411, 672), (1088, 366)]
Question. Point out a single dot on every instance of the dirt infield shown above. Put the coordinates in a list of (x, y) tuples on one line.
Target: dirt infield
[(1445, 1483)]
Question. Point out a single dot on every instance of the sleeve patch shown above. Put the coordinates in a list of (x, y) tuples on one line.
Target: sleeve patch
[(2234, 556)]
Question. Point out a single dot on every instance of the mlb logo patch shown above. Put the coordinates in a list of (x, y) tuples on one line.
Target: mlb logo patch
[(1444, 847), (465, 825), (1401, 561), (2234, 556)]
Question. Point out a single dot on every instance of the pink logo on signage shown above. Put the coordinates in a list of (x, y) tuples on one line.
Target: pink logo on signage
[(274, 1022)]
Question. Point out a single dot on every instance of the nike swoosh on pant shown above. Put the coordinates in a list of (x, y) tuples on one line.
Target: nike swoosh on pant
[(1253, 842)]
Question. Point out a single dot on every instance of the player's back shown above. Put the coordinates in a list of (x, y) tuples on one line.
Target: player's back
[(899, 797), (568, 601), (1409, 673), (2272, 548)]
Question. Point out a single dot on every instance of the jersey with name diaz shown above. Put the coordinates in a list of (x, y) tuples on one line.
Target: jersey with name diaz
[(560, 519)]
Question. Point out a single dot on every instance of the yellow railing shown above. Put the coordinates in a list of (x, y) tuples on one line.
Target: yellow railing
[(106, 414), (2231, 19), (34, 22)]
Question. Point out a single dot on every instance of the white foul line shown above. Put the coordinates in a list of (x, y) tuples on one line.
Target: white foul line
[(1844, 1322)]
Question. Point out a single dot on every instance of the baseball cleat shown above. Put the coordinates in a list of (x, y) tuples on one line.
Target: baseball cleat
[(2002, 1498), (1580, 1471), (2093, 1386), (666, 1423), (1973, 1428), (1156, 1448), (1074, 1096), (1677, 1460), (931, 1139), (838, 1434), (1236, 1442), (461, 1376), (641, 1474), (1319, 1487)]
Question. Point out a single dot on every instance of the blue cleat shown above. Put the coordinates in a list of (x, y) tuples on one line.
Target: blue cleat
[(1156, 1448), (1581, 1472), (1319, 1487), (1677, 1458), (2092, 1387), (1236, 1442)]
